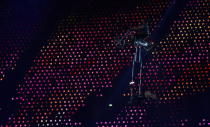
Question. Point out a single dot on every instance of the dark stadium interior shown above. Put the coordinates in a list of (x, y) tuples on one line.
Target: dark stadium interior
[(60, 64)]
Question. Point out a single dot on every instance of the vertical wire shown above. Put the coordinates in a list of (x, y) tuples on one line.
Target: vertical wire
[(132, 75), (140, 71), (133, 66)]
